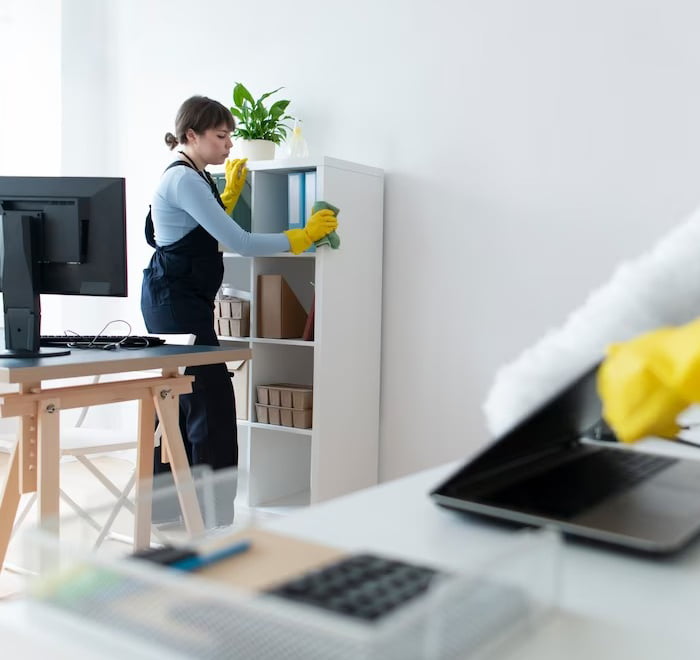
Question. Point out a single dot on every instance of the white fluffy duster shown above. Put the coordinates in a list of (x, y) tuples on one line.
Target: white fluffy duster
[(660, 287)]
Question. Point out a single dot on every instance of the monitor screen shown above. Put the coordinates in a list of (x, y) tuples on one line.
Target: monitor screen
[(59, 235)]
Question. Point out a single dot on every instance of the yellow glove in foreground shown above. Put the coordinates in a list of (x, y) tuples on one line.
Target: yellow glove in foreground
[(317, 226), (645, 383), (236, 173)]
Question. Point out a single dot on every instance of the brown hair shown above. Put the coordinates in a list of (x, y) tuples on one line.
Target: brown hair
[(200, 114)]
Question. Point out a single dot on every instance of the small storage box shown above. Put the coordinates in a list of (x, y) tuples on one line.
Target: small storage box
[(278, 416), (232, 327), (286, 395), (263, 395), (232, 317), (302, 418), (233, 308)]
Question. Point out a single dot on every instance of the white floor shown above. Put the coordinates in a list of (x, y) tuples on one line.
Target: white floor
[(82, 487)]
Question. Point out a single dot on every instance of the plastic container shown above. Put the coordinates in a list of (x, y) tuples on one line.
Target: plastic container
[(164, 613)]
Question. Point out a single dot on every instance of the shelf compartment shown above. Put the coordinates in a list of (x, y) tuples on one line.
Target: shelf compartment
[(299, 275), (274, 363), (237, 274), (280, 463), (270, 200)]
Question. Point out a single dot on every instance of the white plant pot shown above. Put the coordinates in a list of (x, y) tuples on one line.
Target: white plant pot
[(254, 149)]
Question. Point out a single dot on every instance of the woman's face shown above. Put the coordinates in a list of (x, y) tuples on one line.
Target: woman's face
[(212, 146)]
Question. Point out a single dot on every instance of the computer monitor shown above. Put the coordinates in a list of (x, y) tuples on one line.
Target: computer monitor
[(59, 235)]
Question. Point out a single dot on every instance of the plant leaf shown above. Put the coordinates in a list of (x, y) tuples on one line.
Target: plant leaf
[(241, 94), (277, 109), (266, 94)]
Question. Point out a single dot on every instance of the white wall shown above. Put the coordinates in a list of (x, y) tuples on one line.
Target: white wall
[(91, 134), (528, 146), (30, 96), (30, 105)]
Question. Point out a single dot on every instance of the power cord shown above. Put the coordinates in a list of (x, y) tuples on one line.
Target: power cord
[(94, 344)]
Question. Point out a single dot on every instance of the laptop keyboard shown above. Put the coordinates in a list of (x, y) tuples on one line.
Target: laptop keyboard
[(573, 487), (100, 341), (363, 586)]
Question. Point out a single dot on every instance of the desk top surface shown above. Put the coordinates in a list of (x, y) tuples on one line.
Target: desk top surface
[(92, 362)]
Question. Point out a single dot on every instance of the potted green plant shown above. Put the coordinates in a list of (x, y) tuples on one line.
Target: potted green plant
[(258, 127)]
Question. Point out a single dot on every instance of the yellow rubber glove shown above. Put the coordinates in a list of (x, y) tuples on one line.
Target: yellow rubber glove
[(317, 226), (236, 173), (645, 383)]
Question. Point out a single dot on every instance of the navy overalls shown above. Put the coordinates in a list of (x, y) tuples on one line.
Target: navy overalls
[(177, 296)]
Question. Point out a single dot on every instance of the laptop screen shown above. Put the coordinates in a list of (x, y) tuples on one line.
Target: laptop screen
[(558, 423)]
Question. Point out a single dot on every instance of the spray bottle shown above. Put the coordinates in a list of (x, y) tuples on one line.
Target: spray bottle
[(296, 145)]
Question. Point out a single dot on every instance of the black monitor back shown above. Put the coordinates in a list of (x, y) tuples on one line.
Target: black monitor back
[(82, 249)]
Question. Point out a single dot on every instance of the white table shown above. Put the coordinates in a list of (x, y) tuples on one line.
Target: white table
[(613, 605)]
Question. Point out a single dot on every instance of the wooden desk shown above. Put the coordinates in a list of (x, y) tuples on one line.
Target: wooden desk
[(34, 465)]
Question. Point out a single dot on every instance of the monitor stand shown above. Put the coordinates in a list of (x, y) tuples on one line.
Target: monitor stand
[(19, 324), (20, 291), (26, 355)]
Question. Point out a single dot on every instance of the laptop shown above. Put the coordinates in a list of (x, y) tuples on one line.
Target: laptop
[(551, 470)]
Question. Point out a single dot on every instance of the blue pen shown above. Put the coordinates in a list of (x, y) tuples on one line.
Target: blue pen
[(196, 562)]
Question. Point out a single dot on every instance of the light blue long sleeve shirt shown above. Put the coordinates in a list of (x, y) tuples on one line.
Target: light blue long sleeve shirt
[(184, 200)]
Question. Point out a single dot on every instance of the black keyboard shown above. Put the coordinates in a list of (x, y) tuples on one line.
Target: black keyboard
[(101, 341), (362, 586), (570, 488)]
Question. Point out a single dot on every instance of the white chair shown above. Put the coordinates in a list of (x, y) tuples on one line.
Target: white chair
[(80, 442)]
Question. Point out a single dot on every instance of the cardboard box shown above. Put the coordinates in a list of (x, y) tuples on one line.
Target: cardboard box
[(280, 314), (240, 370)]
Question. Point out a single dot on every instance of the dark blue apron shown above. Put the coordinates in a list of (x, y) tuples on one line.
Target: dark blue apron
[(177, 296)]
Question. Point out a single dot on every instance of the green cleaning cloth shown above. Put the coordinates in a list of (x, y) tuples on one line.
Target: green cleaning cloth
[(331, 239)]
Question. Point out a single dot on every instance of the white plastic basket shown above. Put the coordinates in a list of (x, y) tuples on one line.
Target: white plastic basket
[(154, 611)]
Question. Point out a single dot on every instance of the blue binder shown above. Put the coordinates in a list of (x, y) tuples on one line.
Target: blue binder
[(295, 199)]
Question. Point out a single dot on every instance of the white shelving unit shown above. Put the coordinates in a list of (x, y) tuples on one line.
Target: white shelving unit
[(283, 467)]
